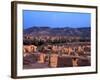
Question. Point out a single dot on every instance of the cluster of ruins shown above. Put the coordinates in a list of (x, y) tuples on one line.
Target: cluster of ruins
[(59, 55)]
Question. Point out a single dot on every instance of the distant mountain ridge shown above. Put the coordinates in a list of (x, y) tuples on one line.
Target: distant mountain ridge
[(65, 31)]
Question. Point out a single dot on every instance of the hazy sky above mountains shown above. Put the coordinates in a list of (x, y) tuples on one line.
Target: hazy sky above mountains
[(55, 19)]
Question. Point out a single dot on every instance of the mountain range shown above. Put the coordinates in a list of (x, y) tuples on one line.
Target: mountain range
[(66, 31)]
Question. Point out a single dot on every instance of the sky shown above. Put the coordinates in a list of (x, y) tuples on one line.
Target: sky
[(55, 19)]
